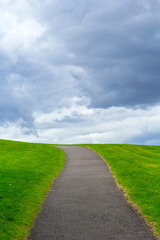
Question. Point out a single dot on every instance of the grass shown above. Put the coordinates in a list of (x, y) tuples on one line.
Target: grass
[(137, 169), (27, 172)]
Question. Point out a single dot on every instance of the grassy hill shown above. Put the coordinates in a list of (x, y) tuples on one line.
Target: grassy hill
[(27, 172), (137, 169)]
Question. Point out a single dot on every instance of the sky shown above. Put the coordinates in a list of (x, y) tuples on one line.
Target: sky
[(80, 71)]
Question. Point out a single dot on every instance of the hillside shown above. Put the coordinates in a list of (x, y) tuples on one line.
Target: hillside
[(27, 171), (137, 169)]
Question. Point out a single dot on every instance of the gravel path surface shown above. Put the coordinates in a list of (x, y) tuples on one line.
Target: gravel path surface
[(84, 204)]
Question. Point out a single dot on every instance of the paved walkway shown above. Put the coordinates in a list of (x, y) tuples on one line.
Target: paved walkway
[(84, 204)]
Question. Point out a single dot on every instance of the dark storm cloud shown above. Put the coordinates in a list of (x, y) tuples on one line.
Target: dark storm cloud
[(115, 45), (119, 48)]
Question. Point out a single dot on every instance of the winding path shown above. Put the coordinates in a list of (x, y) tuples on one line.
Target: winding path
[(84, 204)]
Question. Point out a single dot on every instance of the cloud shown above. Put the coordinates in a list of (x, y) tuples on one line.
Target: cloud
[(119, 48), (80, 124), (113, 125), (70, 71), (20, 31)]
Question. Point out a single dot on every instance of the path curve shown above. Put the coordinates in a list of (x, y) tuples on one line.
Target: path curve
[(84, 204)]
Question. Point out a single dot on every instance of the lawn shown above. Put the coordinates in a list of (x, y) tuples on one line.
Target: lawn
[(27, 172), (137, 169)]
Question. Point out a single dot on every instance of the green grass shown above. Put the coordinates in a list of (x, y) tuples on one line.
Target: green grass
[(137, 169), (27, 172)]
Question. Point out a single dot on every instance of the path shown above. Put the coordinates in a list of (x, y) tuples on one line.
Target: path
[(84, 204)]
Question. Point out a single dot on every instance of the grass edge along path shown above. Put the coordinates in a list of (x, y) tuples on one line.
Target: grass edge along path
[(136, 169), (27, 172)]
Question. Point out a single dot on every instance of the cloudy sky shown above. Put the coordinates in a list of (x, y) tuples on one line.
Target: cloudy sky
[(80, 71)]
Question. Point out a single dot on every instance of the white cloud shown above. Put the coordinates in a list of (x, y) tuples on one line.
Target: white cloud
[(114, 125), (75, 110), (20, 31), (15, 131)]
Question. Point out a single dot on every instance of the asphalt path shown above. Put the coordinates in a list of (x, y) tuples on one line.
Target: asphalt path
[(85, 204)]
